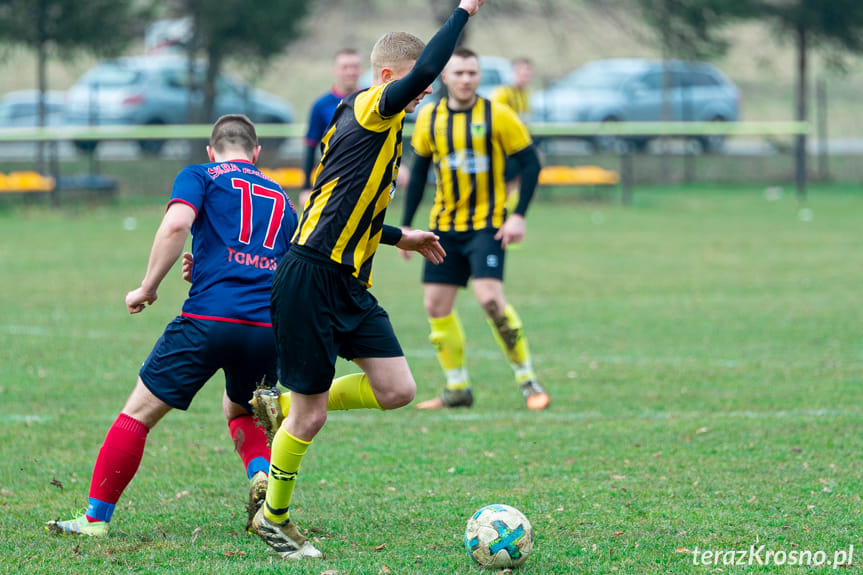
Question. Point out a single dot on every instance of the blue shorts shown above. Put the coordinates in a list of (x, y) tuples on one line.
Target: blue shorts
[(191, 351), (320, 312), (468, 254)]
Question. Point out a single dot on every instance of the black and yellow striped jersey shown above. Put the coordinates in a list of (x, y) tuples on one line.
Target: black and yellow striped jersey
[(516, 98), (469, 149), (353, 183)]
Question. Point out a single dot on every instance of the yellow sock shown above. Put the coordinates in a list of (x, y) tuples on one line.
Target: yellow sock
[(285, 458), (447, 336), (352, 391), (509, 334)]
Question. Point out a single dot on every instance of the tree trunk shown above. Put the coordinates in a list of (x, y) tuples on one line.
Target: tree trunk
[(41, 58), (801, 104), (214, 63)]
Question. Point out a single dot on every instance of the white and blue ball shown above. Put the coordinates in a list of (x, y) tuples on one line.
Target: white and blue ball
[(498, 536)]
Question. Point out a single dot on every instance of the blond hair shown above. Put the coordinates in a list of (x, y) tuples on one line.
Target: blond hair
[(394, 50), (234, 131)]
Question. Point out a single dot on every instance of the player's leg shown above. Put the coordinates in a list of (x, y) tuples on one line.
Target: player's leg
[(440, 288), (248, 357), (252, 445), (447, 337), (272, 523), (305, 296), (487, 259), (508, 331), (390, 380), (117, 462), (176, 369)]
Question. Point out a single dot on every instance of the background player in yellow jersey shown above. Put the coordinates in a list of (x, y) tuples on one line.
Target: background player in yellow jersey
[(517, 97), (468, 139), (517, 94), (321, 306)]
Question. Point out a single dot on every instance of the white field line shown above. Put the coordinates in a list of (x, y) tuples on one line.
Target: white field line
[(519, 414)]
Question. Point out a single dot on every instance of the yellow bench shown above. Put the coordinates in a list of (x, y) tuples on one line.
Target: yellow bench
[(26, 182), (288, 178), (577, 176)]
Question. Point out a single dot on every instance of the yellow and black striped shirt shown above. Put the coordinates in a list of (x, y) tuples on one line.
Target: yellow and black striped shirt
[(354, 183), (469, 149), (516, 98)]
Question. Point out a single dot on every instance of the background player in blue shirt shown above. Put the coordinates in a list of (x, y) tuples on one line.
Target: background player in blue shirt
[(346, 74), (241, 223)]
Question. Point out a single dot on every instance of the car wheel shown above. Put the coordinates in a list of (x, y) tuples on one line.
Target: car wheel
[(611, 143), (152, 147), (85, 146), (713, 144)]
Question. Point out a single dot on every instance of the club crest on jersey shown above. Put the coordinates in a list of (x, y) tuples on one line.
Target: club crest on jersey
[(477, 130)]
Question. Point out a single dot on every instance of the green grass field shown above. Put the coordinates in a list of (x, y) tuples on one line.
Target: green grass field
[(702, 347)]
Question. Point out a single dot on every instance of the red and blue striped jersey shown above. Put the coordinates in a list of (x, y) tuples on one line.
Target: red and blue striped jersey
[(243, 226)]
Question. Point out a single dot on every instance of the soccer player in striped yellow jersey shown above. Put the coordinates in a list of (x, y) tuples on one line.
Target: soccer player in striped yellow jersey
[(517, 94), (321, 306), (468, 138)]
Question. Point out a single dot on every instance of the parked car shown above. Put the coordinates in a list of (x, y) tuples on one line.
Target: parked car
[(631, 90), (153, 90), (20, 109), (494, 71)]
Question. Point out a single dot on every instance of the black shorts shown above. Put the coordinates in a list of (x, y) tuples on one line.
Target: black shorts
[(468, 254), (320, 311), (191, 351)]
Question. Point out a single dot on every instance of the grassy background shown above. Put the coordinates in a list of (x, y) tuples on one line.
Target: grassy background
[(702, 348)]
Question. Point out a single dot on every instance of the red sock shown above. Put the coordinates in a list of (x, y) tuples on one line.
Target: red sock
[(250, 442), (117, 463)]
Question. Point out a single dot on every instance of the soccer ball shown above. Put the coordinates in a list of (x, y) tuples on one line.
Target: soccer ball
[(498, 536)]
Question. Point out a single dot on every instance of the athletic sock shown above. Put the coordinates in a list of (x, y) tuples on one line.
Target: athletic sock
[(250, 443), (288, 452), (352, 391), (116, 465), (447, 336), (509, 334)]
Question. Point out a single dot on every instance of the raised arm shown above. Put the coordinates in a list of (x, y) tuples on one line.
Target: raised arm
[(431, 62)]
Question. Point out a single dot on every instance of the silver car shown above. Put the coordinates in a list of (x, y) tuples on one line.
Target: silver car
[(20, 109), (631, 90), (153, 90)]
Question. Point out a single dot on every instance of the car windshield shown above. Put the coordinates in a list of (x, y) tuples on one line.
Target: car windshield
[(110, 76), (593, 78)]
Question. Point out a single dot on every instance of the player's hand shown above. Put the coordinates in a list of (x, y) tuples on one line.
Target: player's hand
[(405, 254), (138, 299), (470, 6), (426, 243), (512, 231), (188, 262)]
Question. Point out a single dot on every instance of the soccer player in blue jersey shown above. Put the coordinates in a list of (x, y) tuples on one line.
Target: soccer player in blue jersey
[(241, 223), (346, 74), (321, 305)]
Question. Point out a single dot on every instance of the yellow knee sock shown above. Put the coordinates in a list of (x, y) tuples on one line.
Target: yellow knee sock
[(447, 336), (352, 391), (287, 453), (509, 334)]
